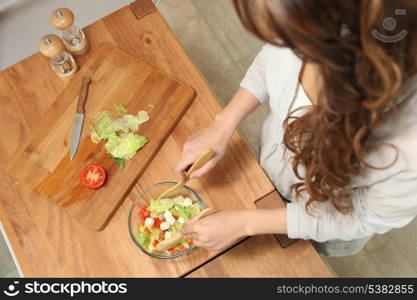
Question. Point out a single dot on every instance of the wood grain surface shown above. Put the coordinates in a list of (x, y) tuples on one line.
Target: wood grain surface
[(45, 239), (43, 162)]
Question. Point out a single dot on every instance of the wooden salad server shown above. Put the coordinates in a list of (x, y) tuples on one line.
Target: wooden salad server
[(198, 163)]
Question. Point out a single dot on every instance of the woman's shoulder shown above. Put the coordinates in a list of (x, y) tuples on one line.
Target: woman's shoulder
[(274, 52)]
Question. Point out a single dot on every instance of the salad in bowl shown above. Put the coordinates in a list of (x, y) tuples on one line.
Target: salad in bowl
[(153, 220)]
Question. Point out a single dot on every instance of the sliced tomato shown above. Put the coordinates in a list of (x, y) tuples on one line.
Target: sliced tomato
[(161, 235), (157, 222), (182, 248), (172, 250), (190, 243), (93, 176), (154, 243), (142, 220), (146, 212), (176, 217)]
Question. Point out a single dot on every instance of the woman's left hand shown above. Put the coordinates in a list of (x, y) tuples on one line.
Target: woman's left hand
[(218, 230)]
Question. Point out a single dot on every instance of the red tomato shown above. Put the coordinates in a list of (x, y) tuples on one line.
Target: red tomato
[(176, 217), (93, 176), (182, 248), (154, 243), (172, 250), (146, 212), (190, 243), (161, 235), (157, 222)]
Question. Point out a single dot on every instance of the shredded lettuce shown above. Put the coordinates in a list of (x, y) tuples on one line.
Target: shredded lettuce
[(126, 145), (144, 238), (159, 206), (103, 127), (142, 116), (122, 143)]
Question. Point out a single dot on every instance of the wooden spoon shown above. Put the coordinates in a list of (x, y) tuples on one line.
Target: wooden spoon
[(198, 163), (177, 238)]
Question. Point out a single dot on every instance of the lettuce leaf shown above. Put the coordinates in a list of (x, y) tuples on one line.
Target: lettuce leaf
[(159, 206), (144, 239), (122, 142), (185, 212), (102, 127), (126, 145), (142, 116)]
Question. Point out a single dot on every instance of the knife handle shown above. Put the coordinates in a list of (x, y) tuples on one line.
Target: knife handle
[(82, 97)]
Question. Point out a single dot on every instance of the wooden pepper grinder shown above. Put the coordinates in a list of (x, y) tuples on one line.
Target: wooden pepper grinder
[(73, 36), (62, 62)]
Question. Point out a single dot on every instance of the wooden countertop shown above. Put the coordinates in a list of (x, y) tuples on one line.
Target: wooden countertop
[(45, 240)]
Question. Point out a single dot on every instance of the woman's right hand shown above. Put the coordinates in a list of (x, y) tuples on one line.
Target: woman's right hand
[(215, 136)]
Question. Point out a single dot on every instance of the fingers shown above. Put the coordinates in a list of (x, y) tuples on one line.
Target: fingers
[(182, 165), (185, 162), (204, 169), (188, 229)]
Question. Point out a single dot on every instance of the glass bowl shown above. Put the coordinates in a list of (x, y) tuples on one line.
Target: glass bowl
[(152, 192)]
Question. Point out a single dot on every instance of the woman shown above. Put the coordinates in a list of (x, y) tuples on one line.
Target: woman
[(340, 142)]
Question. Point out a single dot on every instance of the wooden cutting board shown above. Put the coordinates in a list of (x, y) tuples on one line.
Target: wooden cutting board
[(43, 160)]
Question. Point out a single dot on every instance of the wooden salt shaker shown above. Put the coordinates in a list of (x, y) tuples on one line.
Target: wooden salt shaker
[(62, 62), (73, 36)]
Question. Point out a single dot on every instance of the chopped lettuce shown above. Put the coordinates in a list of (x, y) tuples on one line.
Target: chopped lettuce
[(144, 238), (120, 161), (103, 128), (155, 234), (160, 206), (180, 211), (185, 212), (122, 143), (142, 117), (131, 121), (126, 145)]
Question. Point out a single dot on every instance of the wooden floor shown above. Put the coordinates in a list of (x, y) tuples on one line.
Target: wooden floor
[(213, 37)]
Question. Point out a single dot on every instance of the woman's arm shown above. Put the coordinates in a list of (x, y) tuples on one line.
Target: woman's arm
[(216, 136), (241, 105)]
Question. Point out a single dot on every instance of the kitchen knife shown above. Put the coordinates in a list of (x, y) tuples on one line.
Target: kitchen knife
[(79, 118)]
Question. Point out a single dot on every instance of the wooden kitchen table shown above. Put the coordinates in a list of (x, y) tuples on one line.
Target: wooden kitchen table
[(47, 242)]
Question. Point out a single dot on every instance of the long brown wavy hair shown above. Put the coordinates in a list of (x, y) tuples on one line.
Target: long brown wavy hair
[(361, 75)]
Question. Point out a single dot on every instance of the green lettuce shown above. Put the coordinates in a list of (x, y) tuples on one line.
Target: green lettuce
[(185, 212), (159, 206), (144, 238), (155, 234), (126, 145), (103, 127), (122, 143)]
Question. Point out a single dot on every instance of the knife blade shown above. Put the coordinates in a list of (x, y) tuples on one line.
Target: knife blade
[(79, 117)]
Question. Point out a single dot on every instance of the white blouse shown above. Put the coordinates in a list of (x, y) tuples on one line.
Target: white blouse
[(382, 199)]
